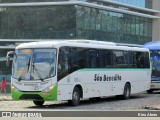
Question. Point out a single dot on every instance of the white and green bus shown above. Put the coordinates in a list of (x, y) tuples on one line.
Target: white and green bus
[(72, 70)]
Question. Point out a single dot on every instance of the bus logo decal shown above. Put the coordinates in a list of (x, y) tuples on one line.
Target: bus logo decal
[(116, 77)]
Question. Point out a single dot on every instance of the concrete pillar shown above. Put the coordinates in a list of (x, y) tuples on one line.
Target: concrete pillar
[(156, 22)]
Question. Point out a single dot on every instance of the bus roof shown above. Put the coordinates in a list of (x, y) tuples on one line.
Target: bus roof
[(152, 45), (78, 43)]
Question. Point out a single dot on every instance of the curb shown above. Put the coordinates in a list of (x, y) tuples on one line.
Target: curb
[(5, 99), (152, 107)]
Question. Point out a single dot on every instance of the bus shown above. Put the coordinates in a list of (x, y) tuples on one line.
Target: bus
[(72, 70), (154, 48)]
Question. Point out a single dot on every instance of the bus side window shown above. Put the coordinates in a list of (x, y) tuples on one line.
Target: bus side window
[(134, 59), (140, 60), (131, 59), (81, 58), (108, 59), (101, 58), (93, 58), (87, 58), (73, 59), (146, 60), (63, 62), (119, 58), (77, 59)]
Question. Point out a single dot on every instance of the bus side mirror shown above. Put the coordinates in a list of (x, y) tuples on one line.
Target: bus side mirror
[(8, 61)]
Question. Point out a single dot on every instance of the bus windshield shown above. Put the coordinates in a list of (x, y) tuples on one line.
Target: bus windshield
[(34, 64), (155, 59)]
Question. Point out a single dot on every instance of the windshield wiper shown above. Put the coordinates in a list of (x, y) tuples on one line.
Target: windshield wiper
[(26, 70), (38, 73)]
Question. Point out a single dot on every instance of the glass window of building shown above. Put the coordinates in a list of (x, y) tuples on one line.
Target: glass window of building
[(37, 22), (139, 3), (114, 26), (71, 22)]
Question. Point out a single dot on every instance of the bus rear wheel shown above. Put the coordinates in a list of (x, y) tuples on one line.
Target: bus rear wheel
[(75, 97), (127, 91), (38, 103), (149, 91)]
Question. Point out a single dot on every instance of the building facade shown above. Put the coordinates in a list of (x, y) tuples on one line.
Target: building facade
[(121, 21)]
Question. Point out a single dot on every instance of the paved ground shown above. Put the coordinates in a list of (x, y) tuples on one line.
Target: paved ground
[(5, 97), (141, 101)]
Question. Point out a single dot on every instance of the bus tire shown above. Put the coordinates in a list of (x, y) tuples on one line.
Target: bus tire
[(75, 97), (38, 103), (127, 91), (149, 91)]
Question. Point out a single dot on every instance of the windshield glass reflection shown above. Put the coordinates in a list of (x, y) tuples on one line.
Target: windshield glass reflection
[(155, 59), (34, 64)]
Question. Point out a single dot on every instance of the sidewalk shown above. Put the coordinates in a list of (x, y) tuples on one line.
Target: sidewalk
[(5, 97)]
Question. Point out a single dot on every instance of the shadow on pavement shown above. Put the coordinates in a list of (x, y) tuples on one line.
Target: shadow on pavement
[(61, 105)]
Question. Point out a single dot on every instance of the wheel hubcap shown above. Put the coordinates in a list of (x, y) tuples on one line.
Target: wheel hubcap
[(75, 96), (127, 92)]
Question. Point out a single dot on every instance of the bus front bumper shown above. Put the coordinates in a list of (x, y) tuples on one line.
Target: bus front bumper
[(50, 95)]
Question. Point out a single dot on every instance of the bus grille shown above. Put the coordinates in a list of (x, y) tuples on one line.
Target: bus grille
[(30, 96)]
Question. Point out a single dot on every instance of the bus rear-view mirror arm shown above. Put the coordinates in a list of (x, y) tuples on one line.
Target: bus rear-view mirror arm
[(8, 57)]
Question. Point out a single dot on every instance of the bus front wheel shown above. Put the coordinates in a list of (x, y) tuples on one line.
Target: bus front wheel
[(75, 97), (38, 103)]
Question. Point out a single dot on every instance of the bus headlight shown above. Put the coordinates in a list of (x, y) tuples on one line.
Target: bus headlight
[(14, 88), (48, 89)]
